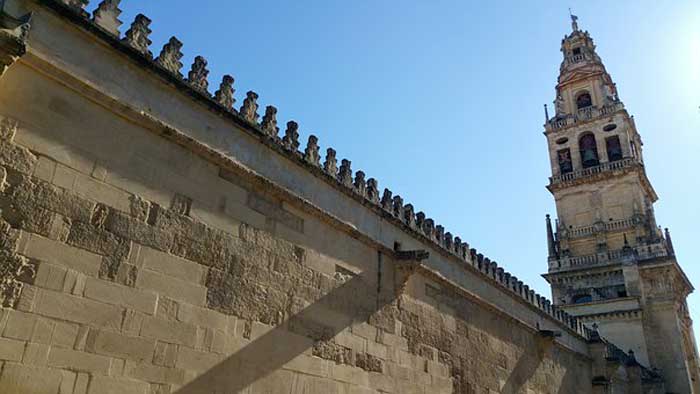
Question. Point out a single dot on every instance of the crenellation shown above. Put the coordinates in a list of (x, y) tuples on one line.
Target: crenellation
[(197, 77), (397, 207), (373, 191), (311, 154), (409, 216), (330, 165), (345, 173), (249, 110), (291, 137), (137, 35), (106, 15), (440, 235), (420, 220), (225, 97), (429, 228), (449, 242), (77, 5), (269, 125), (170, 56), (360, 185), (387, 202)]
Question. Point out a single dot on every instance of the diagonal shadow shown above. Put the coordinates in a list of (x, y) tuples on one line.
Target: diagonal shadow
[(525, 369), (349, 303)]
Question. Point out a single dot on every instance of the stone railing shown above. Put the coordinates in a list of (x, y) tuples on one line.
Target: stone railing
[(583, 115), (642, 252), (587, 172), (135, 43), (585, 231)]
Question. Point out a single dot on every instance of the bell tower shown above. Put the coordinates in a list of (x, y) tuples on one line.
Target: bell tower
[(610, 264)]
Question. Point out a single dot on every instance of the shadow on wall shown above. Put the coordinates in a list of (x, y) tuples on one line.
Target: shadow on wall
[(289, 340), (526, 367)]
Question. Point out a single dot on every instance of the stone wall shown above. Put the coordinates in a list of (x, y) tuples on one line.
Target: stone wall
[(153, 243)]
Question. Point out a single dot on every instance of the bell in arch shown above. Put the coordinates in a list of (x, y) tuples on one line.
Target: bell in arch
[(590, 158)]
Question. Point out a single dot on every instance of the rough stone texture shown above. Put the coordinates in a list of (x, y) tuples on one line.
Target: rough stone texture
[(300, 291)]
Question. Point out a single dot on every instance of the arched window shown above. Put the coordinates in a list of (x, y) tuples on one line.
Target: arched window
[(584, 100), (614, 149), (565, 165), (582, 299), (589, 151)]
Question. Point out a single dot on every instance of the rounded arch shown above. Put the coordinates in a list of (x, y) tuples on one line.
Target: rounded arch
[(588, 148), (583, 100)]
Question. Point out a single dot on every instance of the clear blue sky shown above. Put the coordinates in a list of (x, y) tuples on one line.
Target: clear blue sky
[(441, 100)]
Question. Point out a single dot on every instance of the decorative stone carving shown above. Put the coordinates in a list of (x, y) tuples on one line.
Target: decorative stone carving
[(387, 204), (448, 241), (249, 110), (13, 38), (269, 122), (291, 136), (429, 228), (397, 205), (137, 35), (420, 220), (345, 174), (170, 56), (359, 184), (331, 163), (440, 234), (311, 152), (107, 16), (78, 5), (224, 95), (197, 77), (373, 190), (409, 216)]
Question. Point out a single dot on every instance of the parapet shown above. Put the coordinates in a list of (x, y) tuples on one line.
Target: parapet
[(105, 22)]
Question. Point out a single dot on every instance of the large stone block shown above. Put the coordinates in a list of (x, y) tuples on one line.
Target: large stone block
[(170, 265), (154, 374), (120, 346), (195, 360), (202, 317), (171, 287), (169, 331), (45, 249), (108, 385), (11, 350), (78, 361), (115, 294), (21, 379), (79, 310)]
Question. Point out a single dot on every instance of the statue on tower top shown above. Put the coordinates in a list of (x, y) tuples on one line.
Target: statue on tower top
[(574, 21)]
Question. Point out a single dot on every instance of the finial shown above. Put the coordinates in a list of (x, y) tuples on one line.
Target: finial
[(669, 243), (78, 5), (373, 190), (546, 114), (345, 173), (574, 21), (331, 163), (137, 35), (106, 15), (269, 124), (170, 56), (397, 203), (197, 77), (409, 216), (360, 185), (387, 204), (311, 152), (224, 95), (291, 136), (551, 244), (249, 110)]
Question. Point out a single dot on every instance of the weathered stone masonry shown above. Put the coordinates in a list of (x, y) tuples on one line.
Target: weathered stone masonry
[(155, 240)]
